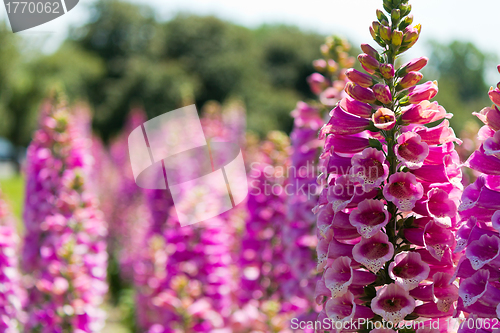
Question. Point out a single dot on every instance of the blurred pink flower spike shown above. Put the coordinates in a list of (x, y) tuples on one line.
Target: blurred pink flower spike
[(205, 179), (411, 150)]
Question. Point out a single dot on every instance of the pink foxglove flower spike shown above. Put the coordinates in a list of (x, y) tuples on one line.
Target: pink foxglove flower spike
[(405, 210)]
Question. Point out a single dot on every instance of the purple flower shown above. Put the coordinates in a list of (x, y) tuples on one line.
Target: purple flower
[(369, 168), (408, 270), (424, 113), (411, 150), (423, 92), (384, 119), (403, 190), (393, 303), (373, 252), (345, 123), (359, 78), (382, 93), (370, 217), (364, 95)]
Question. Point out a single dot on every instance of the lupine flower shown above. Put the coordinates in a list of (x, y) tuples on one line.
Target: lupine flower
[(12, 296), (65, 249), (394, 229)]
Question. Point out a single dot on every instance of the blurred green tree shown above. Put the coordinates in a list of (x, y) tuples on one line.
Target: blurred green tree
[(461, 69)]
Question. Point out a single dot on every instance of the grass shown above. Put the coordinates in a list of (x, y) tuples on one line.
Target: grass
[(13, 192)]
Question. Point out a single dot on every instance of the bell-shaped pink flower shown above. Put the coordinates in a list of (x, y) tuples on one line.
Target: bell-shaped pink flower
[(437, 135), (495, 96), (370, 217), (473, 288), (384, 119), (492, 145), (339, 276), (411, 150), (382, 93), (373, 252), (344, 123), (483, 251), (484, 163), (441, 207), (346, 144), (423, 92), (423, 113), (444, 291), (490, 117), (403, 190), (437, 240), (369, 168), (344, 309), (393, 303), (355, 107), (408, 270)]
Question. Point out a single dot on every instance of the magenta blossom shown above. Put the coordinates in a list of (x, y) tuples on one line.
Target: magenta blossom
[(370, 217), (393, 303), (423, 92), (408, 270), (369, 168), (423, 113), (403, 190), (384, 119), (373, 252), (411, 150)]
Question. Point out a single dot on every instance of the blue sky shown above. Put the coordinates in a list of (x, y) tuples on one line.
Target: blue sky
[(442, 20)]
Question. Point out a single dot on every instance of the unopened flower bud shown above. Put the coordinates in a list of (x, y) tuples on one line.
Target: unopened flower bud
[(381, 16), (364, 95), (406, 22), (395, 15), (414, 65), (382, 93), (385, 33), (405, 9), (376, 26), (364, 80), (369, 63), (498, 68), (332, 65), (397, 38), (319, 65), (409, 80), (370, 51), (410, 35), (387, 71)]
